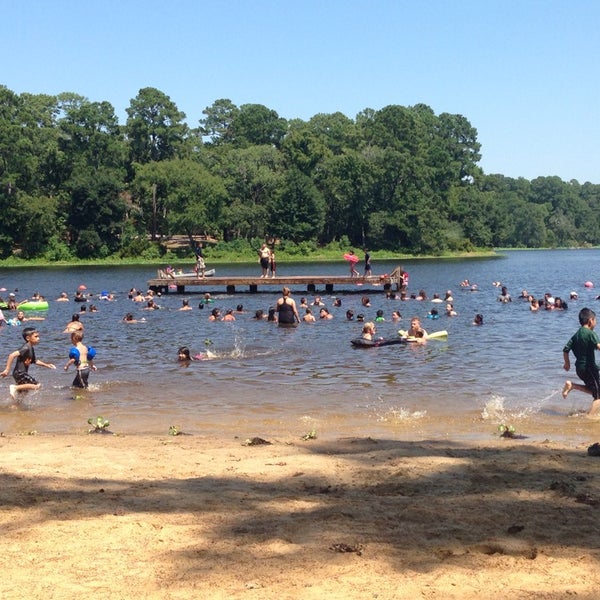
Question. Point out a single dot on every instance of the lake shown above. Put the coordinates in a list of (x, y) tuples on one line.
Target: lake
[(282, 383)]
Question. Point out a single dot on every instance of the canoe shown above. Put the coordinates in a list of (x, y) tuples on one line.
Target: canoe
[(208, 273), (33, 305)]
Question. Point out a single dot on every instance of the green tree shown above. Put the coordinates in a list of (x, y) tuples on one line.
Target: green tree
[(253, 179), (255, 125), (96, 204), (155, 127), (218, 121), (299, 210)]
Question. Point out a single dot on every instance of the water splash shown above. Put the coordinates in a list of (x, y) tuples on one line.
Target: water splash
[(495, 411), (397, 415)]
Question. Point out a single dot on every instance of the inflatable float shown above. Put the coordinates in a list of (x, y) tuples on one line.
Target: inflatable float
[(362, 343), (436, 335), (33, 305)]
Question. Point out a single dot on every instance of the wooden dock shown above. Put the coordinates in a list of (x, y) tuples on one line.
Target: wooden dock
[(310, 283)]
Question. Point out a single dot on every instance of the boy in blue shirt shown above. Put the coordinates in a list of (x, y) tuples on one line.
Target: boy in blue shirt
[(584, 344)]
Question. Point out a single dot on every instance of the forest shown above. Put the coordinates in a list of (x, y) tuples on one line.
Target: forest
[(76, 184)]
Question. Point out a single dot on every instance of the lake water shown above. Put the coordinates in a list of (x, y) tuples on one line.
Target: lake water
[(282, 383)]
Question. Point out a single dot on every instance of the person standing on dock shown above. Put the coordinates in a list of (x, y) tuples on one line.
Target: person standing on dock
[(352, 260), (368, 271), (264, 258), (272, 264), (200, 264)]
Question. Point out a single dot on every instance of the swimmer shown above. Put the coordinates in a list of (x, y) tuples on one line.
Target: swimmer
[(74, 324), (184, 355), (229, 316), (368, 330), (82, 357), (128, 318), (185, 305), (416, 328), (309, 317)]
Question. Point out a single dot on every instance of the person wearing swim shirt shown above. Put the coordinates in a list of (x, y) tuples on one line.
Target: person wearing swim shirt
[(286, 310), (81, 356)]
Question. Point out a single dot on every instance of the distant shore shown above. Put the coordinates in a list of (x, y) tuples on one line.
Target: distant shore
[(282, 257)]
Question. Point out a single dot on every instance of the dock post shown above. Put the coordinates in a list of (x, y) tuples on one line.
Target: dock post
[(329, 287), (311, 288), (231, 289), (253, 288)]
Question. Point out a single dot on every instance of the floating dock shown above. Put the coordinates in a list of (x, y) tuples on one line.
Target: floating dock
[(179, 284)]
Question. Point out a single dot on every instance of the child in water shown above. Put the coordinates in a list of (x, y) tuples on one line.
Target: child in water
[(184, 355), (584, 344), (82, 357), (368, 330), (25, 356)]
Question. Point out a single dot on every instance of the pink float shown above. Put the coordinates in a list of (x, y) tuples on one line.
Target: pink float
[(589, 284)]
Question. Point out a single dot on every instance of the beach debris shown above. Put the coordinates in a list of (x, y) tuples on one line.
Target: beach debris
[(208, 342), (255, 441), (508, 547), (99, 425), (175, 430), (507, 431), (514, 529), (311, 435), (566, 488), (587, 499), (358, 548), (594, 450)]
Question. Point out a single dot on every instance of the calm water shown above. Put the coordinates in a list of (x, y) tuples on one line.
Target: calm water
[(282, 383)]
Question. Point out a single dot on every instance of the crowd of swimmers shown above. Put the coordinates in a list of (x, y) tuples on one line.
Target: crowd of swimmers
[(284, 312)]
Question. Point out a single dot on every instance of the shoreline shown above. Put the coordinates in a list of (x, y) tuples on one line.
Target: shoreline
[(160, 516)]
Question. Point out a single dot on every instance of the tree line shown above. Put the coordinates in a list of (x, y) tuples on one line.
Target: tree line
[(74, 182)]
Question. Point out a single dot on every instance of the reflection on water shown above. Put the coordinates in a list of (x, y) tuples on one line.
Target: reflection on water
[(283, 382)]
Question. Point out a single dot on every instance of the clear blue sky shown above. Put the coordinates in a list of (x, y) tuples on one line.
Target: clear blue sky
[(525, 73)]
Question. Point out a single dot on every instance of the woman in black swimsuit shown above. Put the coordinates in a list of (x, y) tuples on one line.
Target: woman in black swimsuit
[(287, 311)]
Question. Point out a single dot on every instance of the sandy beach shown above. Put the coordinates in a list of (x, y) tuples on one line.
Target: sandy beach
[(125, 516)]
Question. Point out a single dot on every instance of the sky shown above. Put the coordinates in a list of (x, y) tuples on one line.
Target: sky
[(524, 73)]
